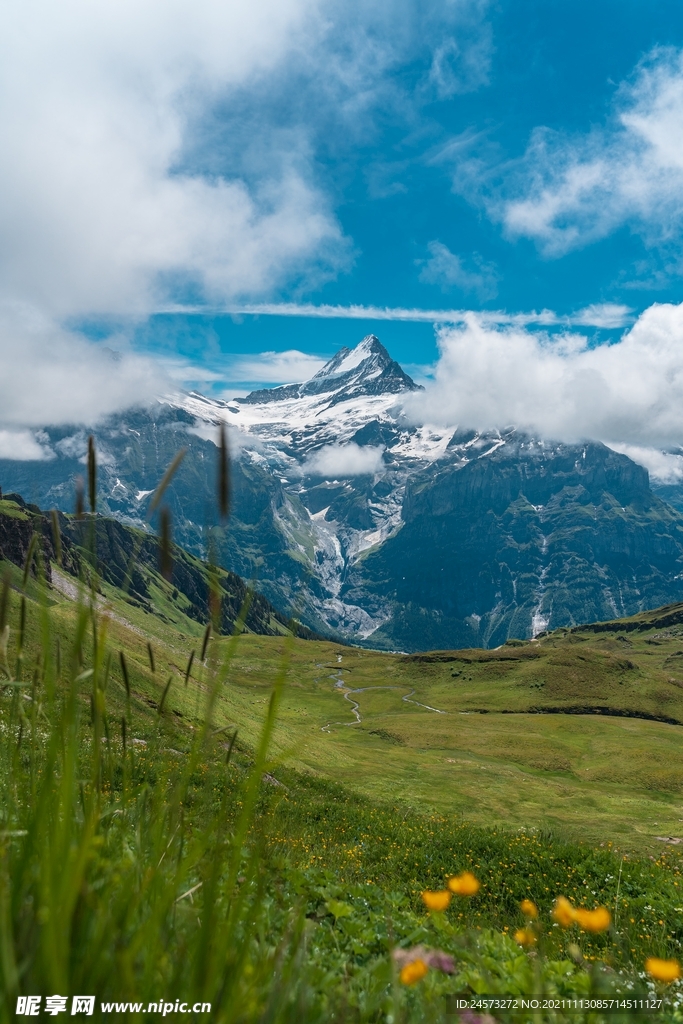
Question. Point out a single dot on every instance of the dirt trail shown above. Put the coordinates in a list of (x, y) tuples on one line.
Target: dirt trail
[(346, 692)]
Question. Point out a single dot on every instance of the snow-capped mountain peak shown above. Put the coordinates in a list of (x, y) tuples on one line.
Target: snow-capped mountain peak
[(367, 361), (367, 369)]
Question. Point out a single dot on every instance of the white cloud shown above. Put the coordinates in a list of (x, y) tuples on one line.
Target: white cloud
[(458, 69), (447, 270), (337, 461), (598, 315), (664, 467), (51, 375), (145, 149), (23, 444), (99, 211), (575, 190), (153, 149), (629, 393), (286, 367), (602, 314)]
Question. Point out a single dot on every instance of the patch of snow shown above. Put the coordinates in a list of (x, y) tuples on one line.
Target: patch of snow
[(317, 516)]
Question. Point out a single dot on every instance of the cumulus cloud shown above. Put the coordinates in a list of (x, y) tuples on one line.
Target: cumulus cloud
[(449, 271), (573, 190), (161, 151), (100, 210), (630, 392), (147, 151), (286, 367), (337, 461), (52, 376)]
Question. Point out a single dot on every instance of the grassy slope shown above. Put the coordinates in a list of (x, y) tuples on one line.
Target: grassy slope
[(586, 776), (596, 777)]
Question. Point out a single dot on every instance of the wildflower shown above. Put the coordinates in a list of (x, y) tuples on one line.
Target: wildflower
[(464, 884), (529, 909), (525, 937), (436, 900), (597, 920), (413, 972), (663, 970), (563, 912)]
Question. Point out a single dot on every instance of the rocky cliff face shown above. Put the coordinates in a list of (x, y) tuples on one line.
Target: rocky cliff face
[(18, 523), (531, 537)]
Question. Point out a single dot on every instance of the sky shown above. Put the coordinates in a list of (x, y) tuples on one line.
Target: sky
[(219, 195)]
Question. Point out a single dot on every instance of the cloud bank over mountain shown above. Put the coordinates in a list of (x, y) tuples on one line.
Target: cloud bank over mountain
[(50, 375), (343, 460), (559, 387)]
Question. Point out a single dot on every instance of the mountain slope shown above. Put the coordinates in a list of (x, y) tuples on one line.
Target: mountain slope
[(376, 529), (534, 536), (127, 558)]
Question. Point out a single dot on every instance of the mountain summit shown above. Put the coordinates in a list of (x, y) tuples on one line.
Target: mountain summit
[(367, 369)]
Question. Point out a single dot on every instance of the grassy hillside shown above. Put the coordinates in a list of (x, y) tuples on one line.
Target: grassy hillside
[(129, 559), (181, 875)]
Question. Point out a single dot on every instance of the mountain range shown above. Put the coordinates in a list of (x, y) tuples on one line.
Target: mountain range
[(375, 529)]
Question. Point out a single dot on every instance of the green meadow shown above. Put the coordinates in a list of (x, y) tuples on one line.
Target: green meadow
[(559, 734), (251, 820)]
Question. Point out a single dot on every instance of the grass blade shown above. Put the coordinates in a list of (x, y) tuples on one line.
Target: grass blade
[(223, 472), (165, 554), (92, 475)]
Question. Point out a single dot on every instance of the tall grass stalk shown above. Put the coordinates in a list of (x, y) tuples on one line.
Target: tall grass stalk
[(130, 872)]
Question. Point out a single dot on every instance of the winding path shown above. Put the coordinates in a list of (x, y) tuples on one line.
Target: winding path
[(355, 706)]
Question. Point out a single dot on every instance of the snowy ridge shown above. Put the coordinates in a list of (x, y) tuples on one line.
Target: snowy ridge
[(353, 405)]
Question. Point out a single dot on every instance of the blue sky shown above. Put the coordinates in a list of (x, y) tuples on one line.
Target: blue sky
[(418, 191), (488, 175)]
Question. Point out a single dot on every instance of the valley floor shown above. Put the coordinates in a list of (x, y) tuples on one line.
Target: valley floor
[(560, 734), (497, 740)]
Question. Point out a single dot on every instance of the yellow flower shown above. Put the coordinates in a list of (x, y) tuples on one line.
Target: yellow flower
[(413, 972), (663, 970), (436, 900), (563, 912), (464, 884), (525, 937), (597, 920), (529, 909)]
